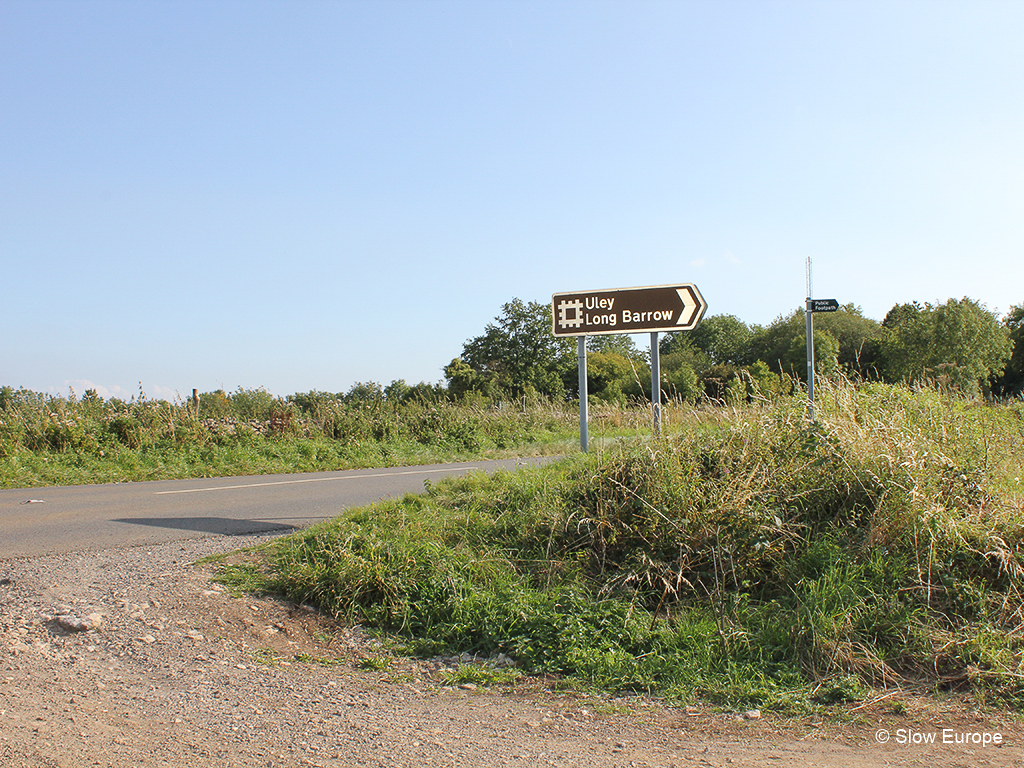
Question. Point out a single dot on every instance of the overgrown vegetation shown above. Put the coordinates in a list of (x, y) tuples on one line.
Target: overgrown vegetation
[(47, 440), (747, 558)]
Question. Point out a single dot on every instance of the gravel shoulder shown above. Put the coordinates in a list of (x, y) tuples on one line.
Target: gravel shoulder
[(133, 657)]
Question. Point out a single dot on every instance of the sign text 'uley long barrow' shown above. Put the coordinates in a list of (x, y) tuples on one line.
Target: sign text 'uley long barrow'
[(627, 310)]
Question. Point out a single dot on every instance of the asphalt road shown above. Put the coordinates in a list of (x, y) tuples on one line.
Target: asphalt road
[(46, 521)]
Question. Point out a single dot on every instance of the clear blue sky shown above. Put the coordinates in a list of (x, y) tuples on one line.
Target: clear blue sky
[(302, 195)]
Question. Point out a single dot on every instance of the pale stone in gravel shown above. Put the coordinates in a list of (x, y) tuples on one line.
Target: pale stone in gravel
[(75, 624)]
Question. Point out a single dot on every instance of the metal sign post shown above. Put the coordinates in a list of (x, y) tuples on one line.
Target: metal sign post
[(656, 383), (581, 355), (621, 311), (812, 306), (809, 318)]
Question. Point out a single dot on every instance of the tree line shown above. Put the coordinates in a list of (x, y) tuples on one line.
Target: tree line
[(958, 344)]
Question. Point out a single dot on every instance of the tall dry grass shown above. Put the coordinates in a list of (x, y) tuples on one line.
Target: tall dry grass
[(747, 557)]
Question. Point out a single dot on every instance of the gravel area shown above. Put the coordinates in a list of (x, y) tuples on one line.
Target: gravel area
[(132, 657)]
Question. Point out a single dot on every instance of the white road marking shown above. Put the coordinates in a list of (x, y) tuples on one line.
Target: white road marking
[(312, 480)]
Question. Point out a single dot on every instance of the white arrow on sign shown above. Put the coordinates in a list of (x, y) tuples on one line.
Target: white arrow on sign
[(693, 306), (689, 306)]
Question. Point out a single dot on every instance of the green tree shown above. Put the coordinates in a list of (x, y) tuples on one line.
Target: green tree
[(906, 341), (826, 353), (619, 343), (772, 343), (677, 349), (517, 353), (614, 368), (462, 379), (681, 382), (725, 339), (363, 392), (1011, 382), (762, 381), (214, 404), (610, 376), (851, 344), (725, 383), (959, 343), (254, 403), (858, 339)]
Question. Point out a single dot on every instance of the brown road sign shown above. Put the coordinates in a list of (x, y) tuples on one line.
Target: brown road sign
[(627, 310)]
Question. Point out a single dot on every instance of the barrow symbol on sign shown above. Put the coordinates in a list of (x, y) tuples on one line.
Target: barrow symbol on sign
[(564, 318)]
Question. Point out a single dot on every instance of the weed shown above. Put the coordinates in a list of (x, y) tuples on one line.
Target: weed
[(898, 708), (748, 558), (481, 674), (266, 657), (378, 663)]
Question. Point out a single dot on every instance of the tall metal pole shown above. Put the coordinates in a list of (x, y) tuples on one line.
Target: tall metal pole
[(809, 315), (581, 354), (809, 322), (656, 383)]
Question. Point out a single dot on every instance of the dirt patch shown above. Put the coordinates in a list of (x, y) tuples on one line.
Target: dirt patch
[(132, 657)]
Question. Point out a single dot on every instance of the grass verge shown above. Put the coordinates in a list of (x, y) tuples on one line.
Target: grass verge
[(750, 559), (47, 440)]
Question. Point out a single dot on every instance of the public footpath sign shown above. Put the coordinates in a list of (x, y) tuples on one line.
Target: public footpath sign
[(823, 305), (627, 310)]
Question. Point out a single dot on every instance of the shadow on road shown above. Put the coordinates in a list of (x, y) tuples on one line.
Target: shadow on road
[(221, 526)]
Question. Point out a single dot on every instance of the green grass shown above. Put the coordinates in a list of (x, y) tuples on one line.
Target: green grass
[(747, 559), (66, 441), (47, 440)]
